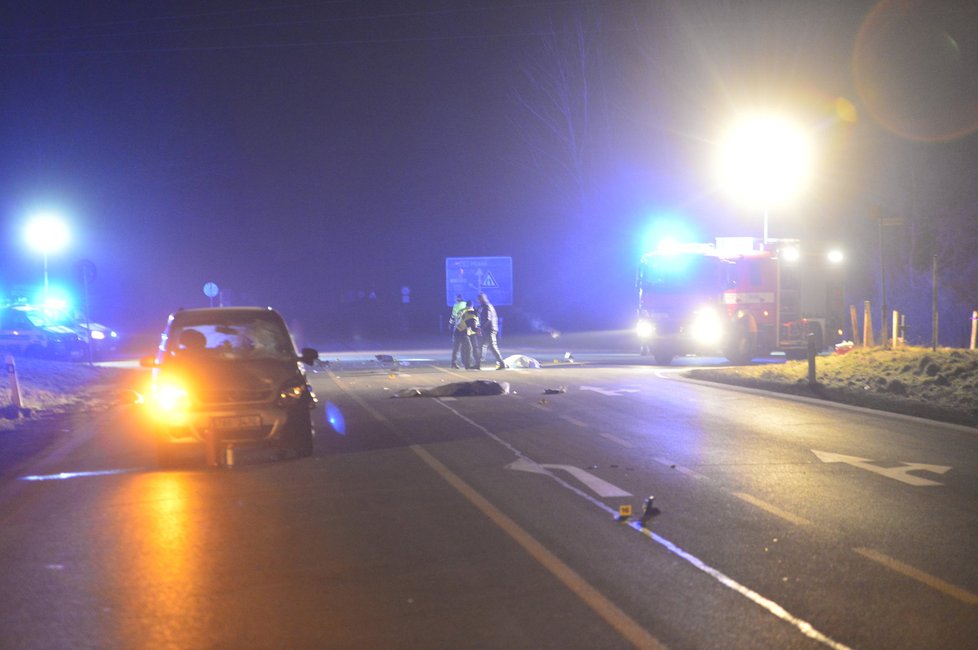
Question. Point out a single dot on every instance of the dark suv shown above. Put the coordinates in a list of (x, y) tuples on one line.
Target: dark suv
[(230, 375)]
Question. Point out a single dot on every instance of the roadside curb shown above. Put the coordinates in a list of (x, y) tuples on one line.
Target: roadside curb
[(816, 401)]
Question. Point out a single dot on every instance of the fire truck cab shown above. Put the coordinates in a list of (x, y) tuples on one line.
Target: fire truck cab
[(738, 297)]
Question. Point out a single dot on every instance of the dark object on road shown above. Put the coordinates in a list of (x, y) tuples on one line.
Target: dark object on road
[(480, 387), (555, 391), (650, 510)]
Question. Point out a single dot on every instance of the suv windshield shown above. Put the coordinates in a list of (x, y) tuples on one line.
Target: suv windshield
[(231, 340)]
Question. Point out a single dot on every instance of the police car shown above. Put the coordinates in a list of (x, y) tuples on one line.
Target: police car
[(29, 331)]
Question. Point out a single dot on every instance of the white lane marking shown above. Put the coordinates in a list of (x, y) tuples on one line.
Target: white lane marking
[(896, 473), (617, 440), (934, 582), (773, 509), (679, 468), (801, 625), (611, 392), (574, 421), (599, 486), (68, 475)]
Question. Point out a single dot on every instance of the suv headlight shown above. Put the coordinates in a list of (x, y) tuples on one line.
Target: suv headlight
[(171, 397), (294, 392)]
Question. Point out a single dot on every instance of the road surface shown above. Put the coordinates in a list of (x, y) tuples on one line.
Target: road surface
[(502, 521)]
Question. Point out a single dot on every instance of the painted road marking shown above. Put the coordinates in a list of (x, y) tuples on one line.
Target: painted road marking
[(679, 468), (574, 421), (597, 485), (921, 576), (611, 392), (593, 598), (777, 610), (896, 473), (617, 440), (597, 601), (773, 509), (615, 617)]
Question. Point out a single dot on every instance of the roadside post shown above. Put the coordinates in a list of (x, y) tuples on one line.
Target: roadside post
[(16, 401), (974, 327), (811, 359)]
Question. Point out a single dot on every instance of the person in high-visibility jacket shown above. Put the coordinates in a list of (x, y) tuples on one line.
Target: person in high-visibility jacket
[(463, 338), (457, 310)]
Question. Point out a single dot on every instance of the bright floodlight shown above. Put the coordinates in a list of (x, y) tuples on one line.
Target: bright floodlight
[(765, 160), (46, 233)]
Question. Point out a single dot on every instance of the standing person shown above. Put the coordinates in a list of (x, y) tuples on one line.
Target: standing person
[(457, 310), (471, 319), (462, 338), (453, 322), (490, 330)]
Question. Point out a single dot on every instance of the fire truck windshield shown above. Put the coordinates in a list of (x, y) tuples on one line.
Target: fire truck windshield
[(679, 273)]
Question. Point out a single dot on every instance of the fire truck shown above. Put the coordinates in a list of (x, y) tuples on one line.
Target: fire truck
[(739, 297)]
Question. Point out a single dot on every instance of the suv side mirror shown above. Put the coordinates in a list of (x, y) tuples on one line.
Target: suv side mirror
[(309, 356)]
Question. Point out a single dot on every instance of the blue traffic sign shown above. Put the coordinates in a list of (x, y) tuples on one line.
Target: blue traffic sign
[(470, 276)]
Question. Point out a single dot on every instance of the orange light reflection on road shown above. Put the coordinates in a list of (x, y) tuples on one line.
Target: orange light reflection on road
[(167, 565)]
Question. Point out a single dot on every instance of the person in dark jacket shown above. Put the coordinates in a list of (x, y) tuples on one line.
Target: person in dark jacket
[(489, 322)]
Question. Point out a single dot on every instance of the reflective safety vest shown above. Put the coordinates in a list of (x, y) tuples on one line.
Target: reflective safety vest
[(468, 320), (457, 310)]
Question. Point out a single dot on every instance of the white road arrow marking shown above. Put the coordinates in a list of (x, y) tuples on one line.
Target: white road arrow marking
[(613, 392), (599, 486), (897, 473)]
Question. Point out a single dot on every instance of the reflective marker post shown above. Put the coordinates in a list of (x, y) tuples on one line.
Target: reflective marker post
[(15, 399), (811, 359)]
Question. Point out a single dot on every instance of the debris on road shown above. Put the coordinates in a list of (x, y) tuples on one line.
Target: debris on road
[(521, 361), (477, 388), (555, 391)]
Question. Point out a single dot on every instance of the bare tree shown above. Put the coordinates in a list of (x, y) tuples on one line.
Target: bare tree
[(562, 97)]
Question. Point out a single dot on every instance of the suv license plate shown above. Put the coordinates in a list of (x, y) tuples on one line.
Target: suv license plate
[(235, 422)]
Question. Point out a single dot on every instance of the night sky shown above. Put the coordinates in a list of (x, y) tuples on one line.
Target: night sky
[(297, 153)]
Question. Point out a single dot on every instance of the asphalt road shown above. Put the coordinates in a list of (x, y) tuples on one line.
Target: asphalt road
[(496, 521)]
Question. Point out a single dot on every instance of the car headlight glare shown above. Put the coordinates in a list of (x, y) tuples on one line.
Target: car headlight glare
[(645, 329), (706, 327), (172, 397), (293, 392)]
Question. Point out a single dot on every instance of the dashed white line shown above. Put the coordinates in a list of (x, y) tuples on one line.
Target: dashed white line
[(617, 440), (934, 582), (773, 509)]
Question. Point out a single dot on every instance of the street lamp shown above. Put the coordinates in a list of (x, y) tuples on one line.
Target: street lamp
[(765, 159), (46, 233)]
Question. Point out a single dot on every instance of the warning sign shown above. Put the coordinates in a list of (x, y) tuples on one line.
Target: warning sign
[(488, 281)]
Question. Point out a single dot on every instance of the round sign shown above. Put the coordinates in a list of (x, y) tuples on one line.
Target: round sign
[(86, 269), (210, 289)]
